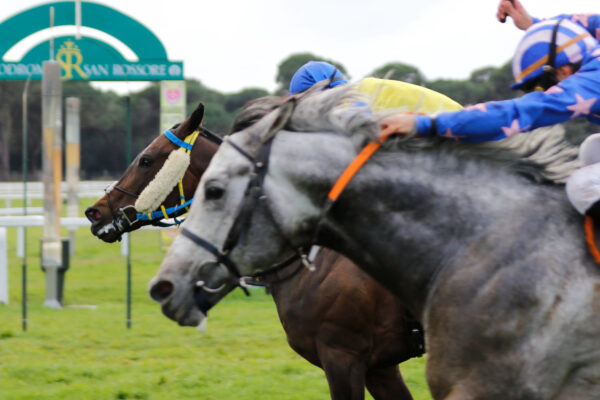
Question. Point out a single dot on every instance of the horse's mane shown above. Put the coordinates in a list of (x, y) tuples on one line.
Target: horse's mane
[(543, 155), (254, 110)]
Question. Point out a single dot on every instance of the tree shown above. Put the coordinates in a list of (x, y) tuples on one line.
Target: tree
[(500, 81), (287, 68), (216, 118), (237, 100), (400, 72)]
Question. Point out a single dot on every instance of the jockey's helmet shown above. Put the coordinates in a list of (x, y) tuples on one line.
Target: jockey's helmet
[(313, 72), (548, 45)]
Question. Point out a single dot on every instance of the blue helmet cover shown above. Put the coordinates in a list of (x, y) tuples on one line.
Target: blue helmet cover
[(313, 72), (572, 41)]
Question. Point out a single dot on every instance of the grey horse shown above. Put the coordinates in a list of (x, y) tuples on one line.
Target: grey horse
[(479, 244)]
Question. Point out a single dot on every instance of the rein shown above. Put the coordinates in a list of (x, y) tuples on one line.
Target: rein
[(589, 238), (254, 193)]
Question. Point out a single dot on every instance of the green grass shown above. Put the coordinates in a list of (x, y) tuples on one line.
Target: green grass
[(84, 353)]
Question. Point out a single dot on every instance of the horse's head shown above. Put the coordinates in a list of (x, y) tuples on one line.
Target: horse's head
[(231, 232), (142, 189)]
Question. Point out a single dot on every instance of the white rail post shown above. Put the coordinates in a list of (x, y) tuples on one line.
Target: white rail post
[(3, 267)]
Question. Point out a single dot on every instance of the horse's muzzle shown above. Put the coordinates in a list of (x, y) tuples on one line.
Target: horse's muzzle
[(110, 228), (177, 303)]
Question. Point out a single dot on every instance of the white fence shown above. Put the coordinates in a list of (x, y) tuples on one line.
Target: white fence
[(35, 190), (13, 218), (20, 222)]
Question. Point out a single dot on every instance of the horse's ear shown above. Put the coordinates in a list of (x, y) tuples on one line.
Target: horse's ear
[(191, 123), (196, 117)]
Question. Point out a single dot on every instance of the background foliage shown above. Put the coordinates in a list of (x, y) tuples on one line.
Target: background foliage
[(103, 119)]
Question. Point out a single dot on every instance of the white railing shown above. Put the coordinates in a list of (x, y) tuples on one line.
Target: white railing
[(21, 222), (21, 210), (35, 190)]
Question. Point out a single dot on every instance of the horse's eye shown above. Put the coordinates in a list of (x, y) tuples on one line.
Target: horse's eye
[(145, 162), (213, 193)]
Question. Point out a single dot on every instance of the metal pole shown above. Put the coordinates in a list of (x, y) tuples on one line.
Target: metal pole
[(72, 161), (78, 19), (52, 36), (52, 177), (127, 162), (24, 168)]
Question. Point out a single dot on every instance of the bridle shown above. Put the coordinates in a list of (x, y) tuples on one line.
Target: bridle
[(121, 221), (252, 196)]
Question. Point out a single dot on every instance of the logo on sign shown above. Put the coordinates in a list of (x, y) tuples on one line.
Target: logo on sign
[(173, 95), (70, 59)]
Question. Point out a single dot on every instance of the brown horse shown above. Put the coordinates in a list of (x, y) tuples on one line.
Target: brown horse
[(336, 316)]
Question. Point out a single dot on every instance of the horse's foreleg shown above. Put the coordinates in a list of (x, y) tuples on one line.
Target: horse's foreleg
[(387, 384), (345, 374)]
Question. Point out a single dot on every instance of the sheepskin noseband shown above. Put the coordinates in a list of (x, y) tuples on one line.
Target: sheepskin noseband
[(163, 183)]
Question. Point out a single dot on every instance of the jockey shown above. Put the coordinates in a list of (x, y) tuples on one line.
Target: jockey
[(385, 93), (557, 62)]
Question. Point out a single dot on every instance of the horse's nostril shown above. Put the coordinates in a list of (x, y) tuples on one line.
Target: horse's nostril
[(161, 290), (93, 214)]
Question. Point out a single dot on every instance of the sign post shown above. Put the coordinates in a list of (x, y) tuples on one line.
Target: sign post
[(80, 55), (51, 177), (172, 103), (72, 162)]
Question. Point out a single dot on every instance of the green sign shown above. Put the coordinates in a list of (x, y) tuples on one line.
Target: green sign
[(89, 58)]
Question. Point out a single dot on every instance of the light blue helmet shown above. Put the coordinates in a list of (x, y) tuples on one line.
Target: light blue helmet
[(533, 56), (313, 72)]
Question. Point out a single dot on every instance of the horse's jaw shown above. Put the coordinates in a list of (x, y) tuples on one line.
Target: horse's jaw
[(175, 294), (108, 233), (113, 230)]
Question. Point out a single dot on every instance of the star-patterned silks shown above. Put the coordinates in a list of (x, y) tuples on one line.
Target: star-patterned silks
[(481, 107), (577, 98), (513, 129), (451, 135), (582, 107), (554, 89), (583, 18)]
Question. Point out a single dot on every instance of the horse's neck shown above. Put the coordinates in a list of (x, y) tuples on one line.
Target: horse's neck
[(419, 202)]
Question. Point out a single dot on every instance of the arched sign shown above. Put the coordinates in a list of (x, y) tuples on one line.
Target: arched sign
[(88, 58)]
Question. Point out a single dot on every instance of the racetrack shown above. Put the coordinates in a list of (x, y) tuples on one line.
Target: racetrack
[(87, 353)]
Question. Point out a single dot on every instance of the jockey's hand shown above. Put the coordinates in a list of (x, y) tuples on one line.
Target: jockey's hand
[(399, 124), (516, 11)]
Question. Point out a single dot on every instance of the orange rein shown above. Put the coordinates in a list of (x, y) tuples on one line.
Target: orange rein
[(589, 238), (352, 169), (372, 147)]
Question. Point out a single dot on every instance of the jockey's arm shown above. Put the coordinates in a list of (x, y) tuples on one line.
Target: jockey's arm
[(576, 96)]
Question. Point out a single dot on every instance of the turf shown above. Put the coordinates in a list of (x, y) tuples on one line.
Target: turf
[(88, 353)]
